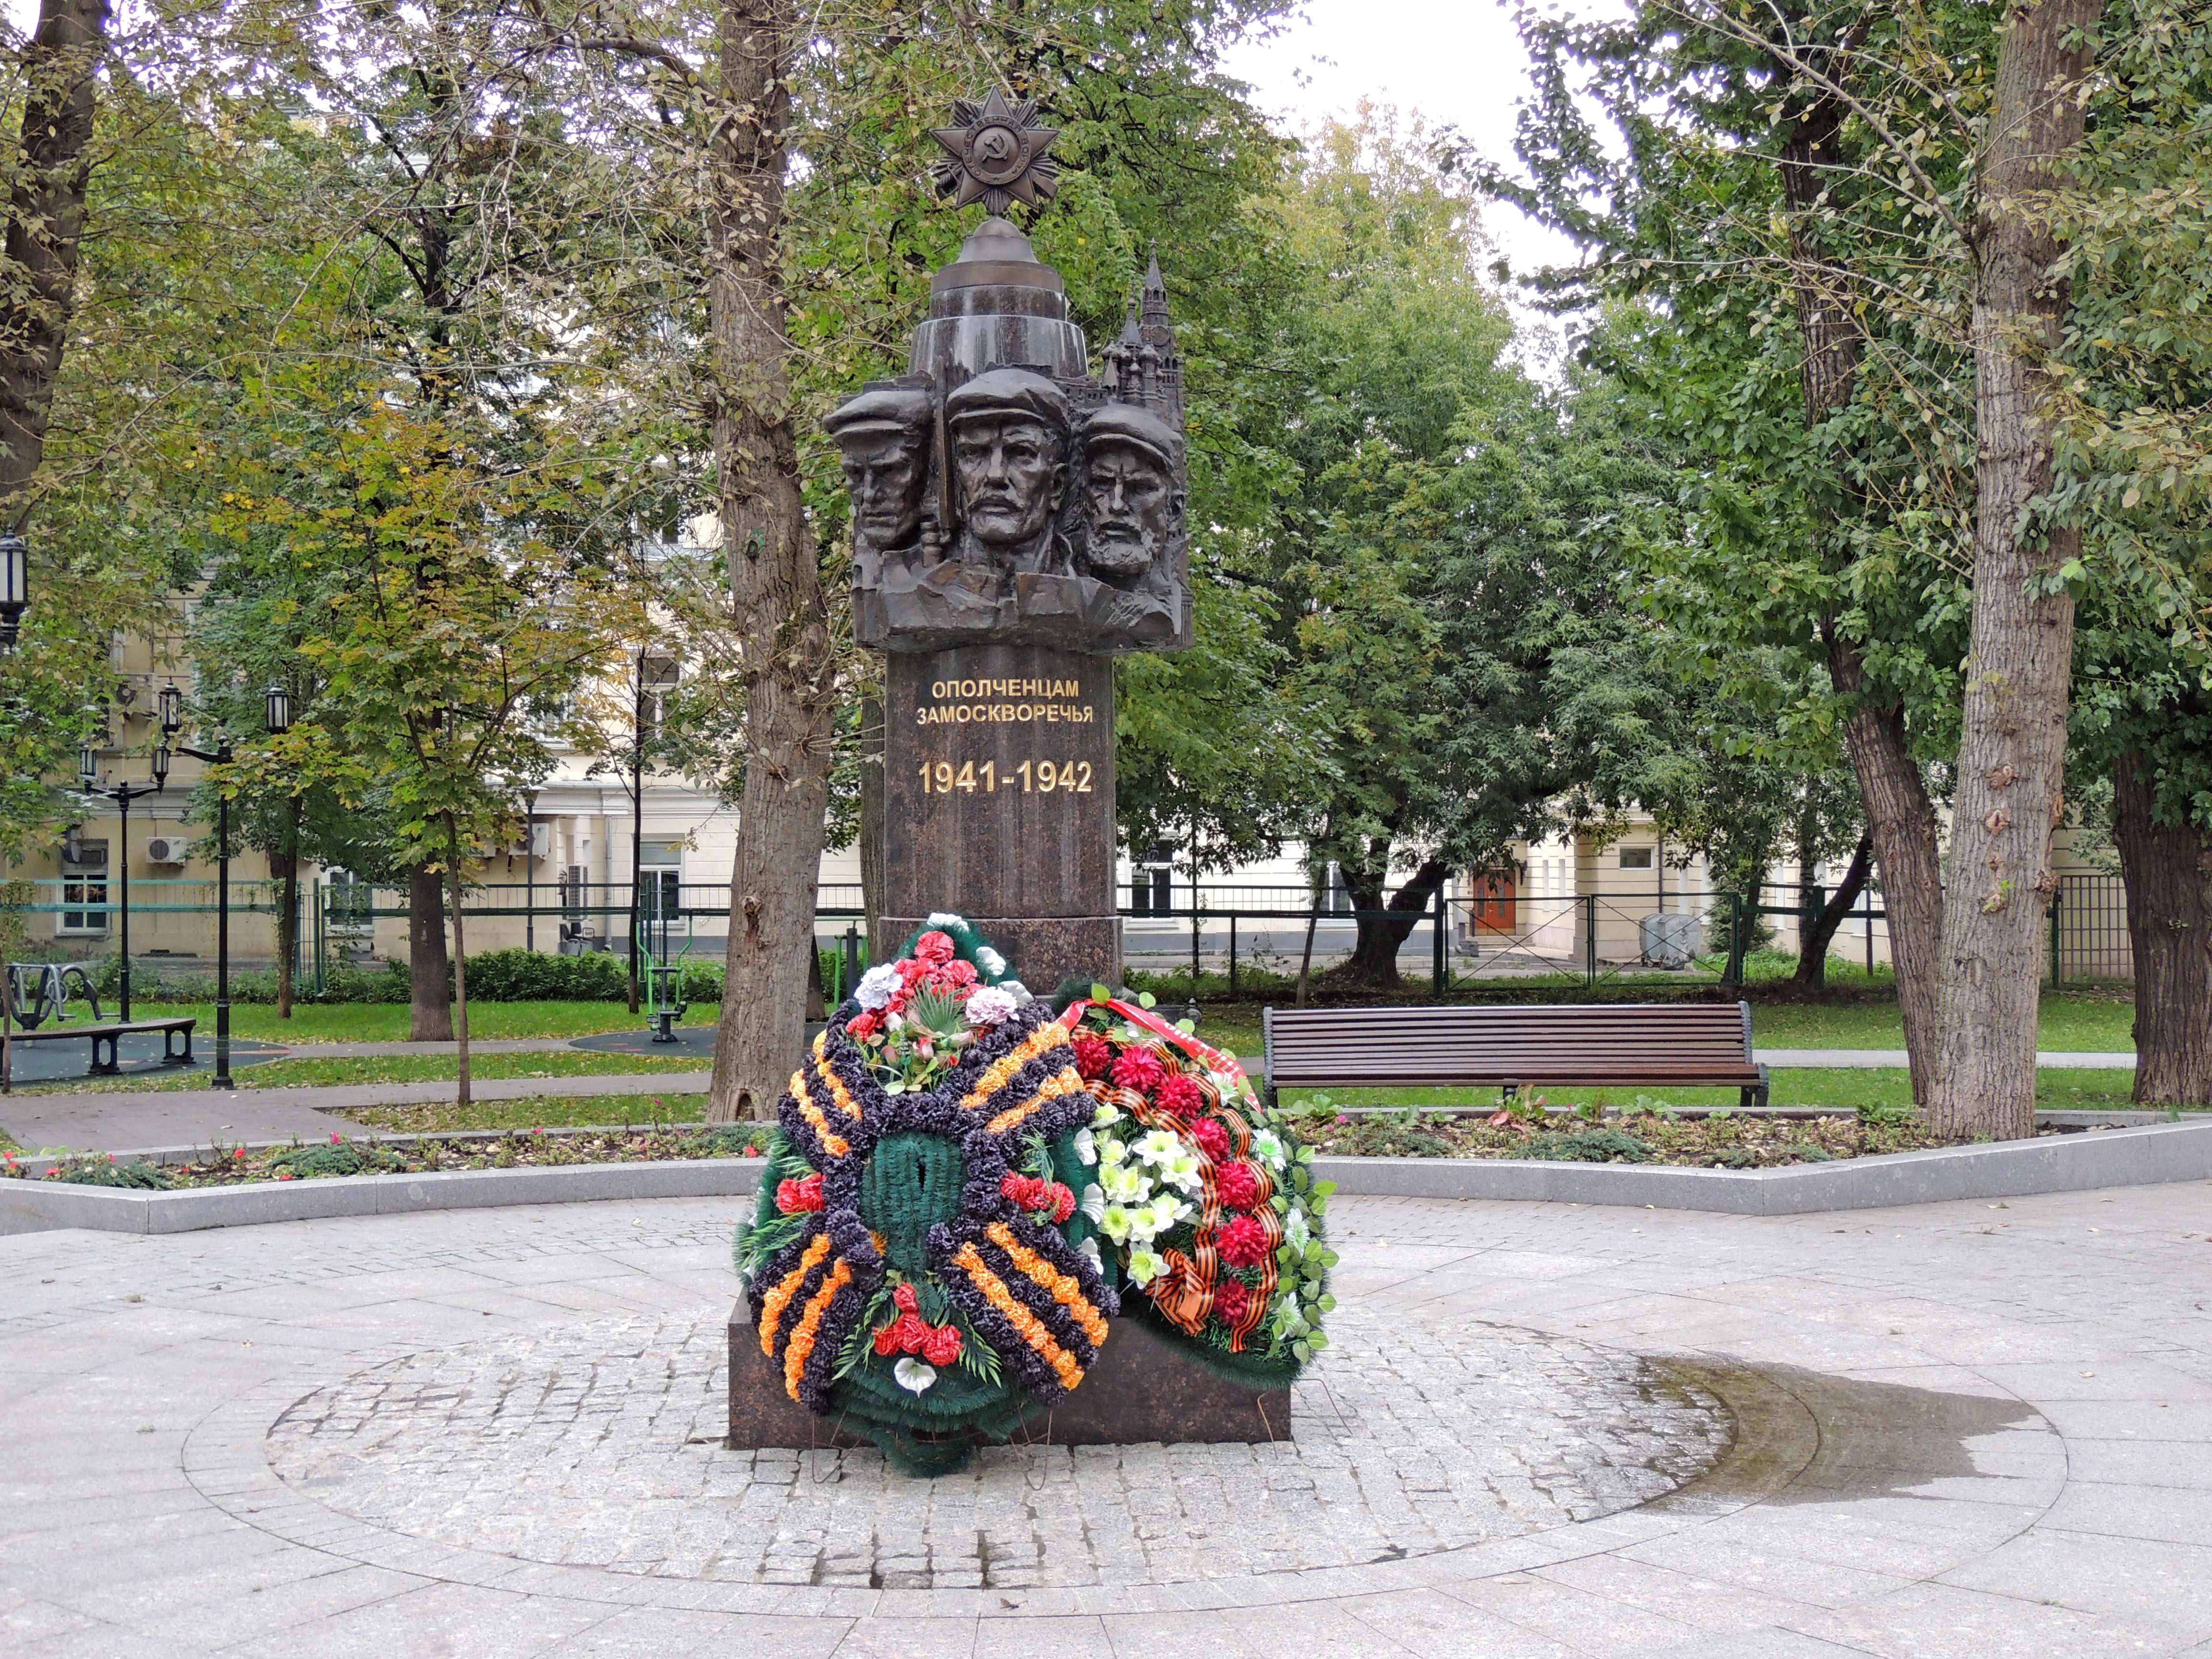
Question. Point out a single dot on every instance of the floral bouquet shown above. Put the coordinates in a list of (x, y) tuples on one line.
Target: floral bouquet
[(1206, 1202), (920, 1266)]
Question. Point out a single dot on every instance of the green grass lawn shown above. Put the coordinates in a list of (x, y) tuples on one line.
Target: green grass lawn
[(387, 1021), (393, 1068)]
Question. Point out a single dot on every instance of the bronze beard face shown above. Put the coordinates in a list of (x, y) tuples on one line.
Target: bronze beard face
[(1011, 469), (1131, 499), (885, 472)]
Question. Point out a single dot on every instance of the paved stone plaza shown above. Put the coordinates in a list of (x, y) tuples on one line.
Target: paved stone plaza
[(1973, 1430)]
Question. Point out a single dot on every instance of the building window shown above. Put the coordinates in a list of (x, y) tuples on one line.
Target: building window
[(84, 882), (1636, 858)]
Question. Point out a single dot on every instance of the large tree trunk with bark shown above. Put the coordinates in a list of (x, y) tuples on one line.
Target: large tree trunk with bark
[(45, 217), (430, 1011), (1901, 823), (1384, 926), (1900, 820), (2168, 870), (2020, 657), (1820, 920), (786, 660)]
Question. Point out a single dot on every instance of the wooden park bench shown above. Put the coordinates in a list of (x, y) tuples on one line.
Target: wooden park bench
[(104, 1060), (1643, 1045)]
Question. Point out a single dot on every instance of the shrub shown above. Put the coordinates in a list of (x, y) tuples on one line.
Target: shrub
[(538, 977), (1587, 1146)]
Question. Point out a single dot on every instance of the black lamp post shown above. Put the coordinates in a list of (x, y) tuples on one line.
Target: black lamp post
[(173, 722), (15, 586), (88, 766)]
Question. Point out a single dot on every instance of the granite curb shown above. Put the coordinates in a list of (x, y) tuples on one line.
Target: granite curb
[(2148, 1156)]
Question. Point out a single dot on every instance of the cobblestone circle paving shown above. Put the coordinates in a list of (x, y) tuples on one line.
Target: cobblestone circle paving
[(598, 1445)]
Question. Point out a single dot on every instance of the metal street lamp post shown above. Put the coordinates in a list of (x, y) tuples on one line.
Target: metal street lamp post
[(173, 722), (88, 766)]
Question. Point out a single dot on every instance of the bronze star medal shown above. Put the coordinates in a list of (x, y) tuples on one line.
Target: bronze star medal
[(995, 154)]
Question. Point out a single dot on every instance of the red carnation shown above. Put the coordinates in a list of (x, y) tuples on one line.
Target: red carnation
[(1179, 1094), (1094, 1057), (942, 1345), (1063, 1203), (887, 1340), (1231, 1299), (864, 1025), (911, 969), (935, 948), (905, 1300), (1213, 1140), (1239, 1186), (1135, 1068), (1020, 1188), (960, 972), (793, 1196), (911, 1332), (1242, 1243)]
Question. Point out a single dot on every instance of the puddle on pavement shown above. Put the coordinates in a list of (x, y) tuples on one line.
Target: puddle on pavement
[(1806, 1437)]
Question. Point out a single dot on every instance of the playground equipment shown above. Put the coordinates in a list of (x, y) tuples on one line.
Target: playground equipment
[(39, 991), (661, 967)]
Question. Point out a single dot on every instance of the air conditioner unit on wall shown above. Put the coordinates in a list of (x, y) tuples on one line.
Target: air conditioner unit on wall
[(166, 849)]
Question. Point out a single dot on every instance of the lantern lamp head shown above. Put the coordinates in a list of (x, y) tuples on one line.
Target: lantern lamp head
[(172, 710), (278, 702), (162, 767), (15, 586), (88, 765)]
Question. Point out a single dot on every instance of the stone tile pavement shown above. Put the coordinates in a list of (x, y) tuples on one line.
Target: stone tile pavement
[(1958, 1430)]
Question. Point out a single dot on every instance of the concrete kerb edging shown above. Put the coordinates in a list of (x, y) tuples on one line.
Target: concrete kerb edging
[(2111, 1158)]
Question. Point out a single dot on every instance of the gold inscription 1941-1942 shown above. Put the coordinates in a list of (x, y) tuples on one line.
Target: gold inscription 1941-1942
[(1041, 777)]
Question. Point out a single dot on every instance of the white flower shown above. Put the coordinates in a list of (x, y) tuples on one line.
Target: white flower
[(1016, 989), (1182, 1171), (876, 986), (1106, 1115), (990, 961), (946, 919), (894, 1022), (988, 1006), (1158, 1146), (1086, 1146), (1163, 1211), (1122, 1183), (1266, 1147), (913, 1376), (1145, 1267), (1089, 1248), (1111, 1151), (1114, 1222), (1094, 1202), (1295, 1230)]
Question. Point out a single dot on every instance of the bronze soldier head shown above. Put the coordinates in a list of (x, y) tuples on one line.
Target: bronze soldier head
[(1133, 489), (884, 437), (1009, 433)]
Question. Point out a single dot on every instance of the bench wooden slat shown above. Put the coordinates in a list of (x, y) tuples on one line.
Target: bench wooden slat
[(1510, 1046)]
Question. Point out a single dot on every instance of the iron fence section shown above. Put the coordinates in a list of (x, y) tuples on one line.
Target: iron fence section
[(2089, 930)]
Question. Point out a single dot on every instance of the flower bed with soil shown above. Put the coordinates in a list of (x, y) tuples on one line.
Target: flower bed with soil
[(1720, 1140)]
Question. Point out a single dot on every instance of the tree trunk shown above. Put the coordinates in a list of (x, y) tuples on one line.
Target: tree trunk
[(636, 860), (1900, 820), (786, 657), (1383, 927), (1901, 823), (871, 824), (1817, 929), (460, 967), (430, 1011), (2020, 656), (45, 217), (2168, 871)]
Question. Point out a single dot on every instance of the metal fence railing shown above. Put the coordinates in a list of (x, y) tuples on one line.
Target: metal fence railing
[(2089, 935)]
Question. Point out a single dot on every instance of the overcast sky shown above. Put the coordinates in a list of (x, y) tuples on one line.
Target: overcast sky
[(1456, 62)]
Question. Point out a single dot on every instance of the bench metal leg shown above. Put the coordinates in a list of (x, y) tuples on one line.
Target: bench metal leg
[(169, 1055), (103, 1055), (1757, 1096)]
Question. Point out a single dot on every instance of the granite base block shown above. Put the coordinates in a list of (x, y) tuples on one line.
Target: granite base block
[(1143, 1389)]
